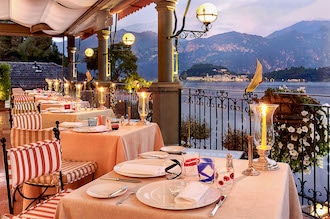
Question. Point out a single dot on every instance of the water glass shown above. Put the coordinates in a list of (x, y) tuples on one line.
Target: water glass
[(173, 167), (191, 160), (206, 170), (92, 121), (225, 180)]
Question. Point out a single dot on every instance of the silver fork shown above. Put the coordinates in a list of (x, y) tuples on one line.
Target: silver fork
[(121, 201)]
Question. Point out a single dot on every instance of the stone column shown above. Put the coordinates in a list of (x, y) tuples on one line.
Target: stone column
[(165, 10), (166, 93), (103, 59), (71, 58)]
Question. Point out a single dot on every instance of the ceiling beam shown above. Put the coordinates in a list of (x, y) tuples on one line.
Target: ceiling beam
[(11, 29), (83, 18)]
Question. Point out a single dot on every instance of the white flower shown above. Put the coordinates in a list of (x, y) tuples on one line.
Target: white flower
[(283, 126), (299, 131), (317, 148), (291, 129), (290, 146), (304, 113), (319, 162), (306, 162), (306, 157), (305, 120), (293, 153), (311, 126), (307, 170), (304, 129), (317, 136), (306, 143)]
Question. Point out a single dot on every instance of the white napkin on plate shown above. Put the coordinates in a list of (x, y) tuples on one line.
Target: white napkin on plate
[(71, 124), (98, 128), (141, 169), (192, 193)]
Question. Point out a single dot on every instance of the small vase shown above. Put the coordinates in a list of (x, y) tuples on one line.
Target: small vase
[(143, 105)]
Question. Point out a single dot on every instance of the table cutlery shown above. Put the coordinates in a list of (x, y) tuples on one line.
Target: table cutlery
[(118, 191), (218, 205), (121, 201), (120, 179)]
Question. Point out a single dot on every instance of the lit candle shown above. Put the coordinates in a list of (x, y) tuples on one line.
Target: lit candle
[(66, 88), (85, 85), (56, 85), (263, 126), (143, 103), (101, 91)]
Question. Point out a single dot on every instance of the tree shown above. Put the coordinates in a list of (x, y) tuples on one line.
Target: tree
[(122, 61)]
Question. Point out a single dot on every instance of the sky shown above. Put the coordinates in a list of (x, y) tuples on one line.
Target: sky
[(257, 17)]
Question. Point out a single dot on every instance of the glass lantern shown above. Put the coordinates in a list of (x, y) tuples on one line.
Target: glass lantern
[(263, 134), (143, 105), (50, 85), (66, 89), (78, 92), (56, 85), (101, 96)]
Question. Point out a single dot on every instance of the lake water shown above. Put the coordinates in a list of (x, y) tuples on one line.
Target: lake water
[(319, 90)]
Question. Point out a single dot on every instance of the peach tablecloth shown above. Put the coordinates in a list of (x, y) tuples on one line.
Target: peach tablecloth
[(60, 104), (49, 118), (110, 148), (270, 195)]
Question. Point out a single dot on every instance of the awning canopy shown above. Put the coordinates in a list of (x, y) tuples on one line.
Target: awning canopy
[(62, 17)]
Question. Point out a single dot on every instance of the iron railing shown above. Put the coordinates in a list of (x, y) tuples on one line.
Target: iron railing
[(214, 119)]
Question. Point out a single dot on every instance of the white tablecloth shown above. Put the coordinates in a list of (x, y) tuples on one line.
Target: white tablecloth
[(270, 195)]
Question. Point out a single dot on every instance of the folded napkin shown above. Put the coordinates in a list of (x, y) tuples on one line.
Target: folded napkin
[(71, 124), (192, 193), (141, 169)]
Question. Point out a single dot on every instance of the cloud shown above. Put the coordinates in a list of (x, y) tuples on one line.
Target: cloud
[(259, 17)]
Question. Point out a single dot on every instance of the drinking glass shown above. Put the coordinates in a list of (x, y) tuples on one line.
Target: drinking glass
[(225, 180), (191, 160), (206, 170), (173, 166)]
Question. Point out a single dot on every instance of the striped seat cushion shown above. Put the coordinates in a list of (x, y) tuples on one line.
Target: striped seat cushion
[(22, 98), (27, 121), (46, 209), (33, 160), (20, 136), (72, 171)]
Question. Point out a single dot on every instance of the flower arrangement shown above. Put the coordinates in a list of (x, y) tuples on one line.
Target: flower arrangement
[(301, 139)]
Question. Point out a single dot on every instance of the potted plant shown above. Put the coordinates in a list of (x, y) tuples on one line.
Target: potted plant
[(5, 83), (301, 129)]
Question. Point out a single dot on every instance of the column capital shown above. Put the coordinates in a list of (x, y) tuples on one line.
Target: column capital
[(103, 34), (167, 4)]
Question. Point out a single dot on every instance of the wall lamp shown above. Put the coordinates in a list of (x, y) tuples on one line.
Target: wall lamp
[(205, 13)]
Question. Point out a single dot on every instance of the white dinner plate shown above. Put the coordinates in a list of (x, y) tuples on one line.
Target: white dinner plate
[(173, 149), (91, 129), (158, 195), (104, 190), (154, 155), (141, 168), (61, 110)]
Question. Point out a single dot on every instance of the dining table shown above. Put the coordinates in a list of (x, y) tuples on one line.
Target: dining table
[(50, 117), (52, 104), (271, 195), (111, 147)]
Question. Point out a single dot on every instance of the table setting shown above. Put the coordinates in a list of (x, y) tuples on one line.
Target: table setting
[(213, 187)]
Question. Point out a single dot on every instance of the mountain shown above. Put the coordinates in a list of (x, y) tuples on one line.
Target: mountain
[(303, 44)]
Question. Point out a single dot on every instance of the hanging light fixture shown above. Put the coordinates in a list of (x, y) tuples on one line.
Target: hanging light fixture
[(205, 13), (128, 39)]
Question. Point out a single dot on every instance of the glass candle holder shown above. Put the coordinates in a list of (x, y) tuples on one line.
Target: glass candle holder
[(66, 89), (78, 92), (101, 96), (50, 85), (143, 105), (263, 134)]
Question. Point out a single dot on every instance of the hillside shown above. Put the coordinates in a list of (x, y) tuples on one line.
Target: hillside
[(303, 44)]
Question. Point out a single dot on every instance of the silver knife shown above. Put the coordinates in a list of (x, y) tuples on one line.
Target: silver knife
[(218, 205), (121, 179), (118, 191)]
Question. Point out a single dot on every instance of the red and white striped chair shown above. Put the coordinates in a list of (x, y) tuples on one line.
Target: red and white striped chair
[(24, 107), (72, 170), (27, 162), (27, 121)]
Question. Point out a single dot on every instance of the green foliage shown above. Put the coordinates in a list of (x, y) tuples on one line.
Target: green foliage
[(41, 49), (192, 129), (135, 82), (5, 81), (237, 140), (203, 69)]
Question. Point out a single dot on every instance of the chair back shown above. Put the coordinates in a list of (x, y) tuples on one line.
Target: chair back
[(29, 161), (24, 107), (20, 136), (27, 121)]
